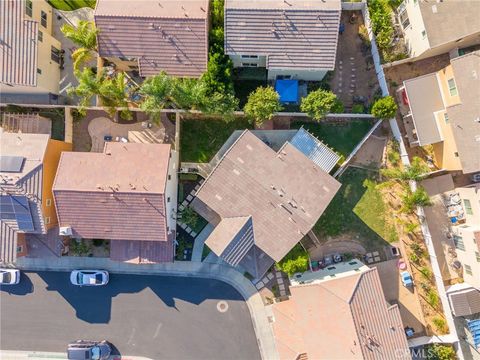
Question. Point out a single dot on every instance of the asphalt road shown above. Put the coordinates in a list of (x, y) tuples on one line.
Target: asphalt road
[(153, 316)]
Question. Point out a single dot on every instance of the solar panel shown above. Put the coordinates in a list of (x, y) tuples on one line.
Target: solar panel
[(16, 208), (11, 163)]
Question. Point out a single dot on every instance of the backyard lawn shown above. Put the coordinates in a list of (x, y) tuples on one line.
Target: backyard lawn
[(72, 4), (243, 88), (358, 208), (202, 138), (342, 137)]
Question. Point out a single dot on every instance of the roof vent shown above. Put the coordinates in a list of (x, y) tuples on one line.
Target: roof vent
[(132, 186), (108, 152), (201, 8), (434, 9), (151, 26)]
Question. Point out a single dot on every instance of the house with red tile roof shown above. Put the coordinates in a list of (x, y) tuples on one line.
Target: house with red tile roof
[(263, 202), (152, 36), (122, 195), (339, 313)]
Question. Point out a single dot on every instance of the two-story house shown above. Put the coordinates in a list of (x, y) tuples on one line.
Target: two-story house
[(292, 39), (153, 36), (442, 110), (432, 28), (30, 56)]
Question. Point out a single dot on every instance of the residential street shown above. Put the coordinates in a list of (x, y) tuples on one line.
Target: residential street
[(152, 316)]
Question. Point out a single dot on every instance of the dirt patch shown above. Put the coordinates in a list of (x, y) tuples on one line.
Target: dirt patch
[(355, 72), (395, 75), (371, 153)]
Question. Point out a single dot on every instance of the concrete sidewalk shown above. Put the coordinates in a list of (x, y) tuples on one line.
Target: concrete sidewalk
[(263, 329), (200, 242), (37, 355)]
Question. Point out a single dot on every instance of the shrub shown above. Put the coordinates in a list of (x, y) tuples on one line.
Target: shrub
[(417, 198), (295, 261), (447, 352), (439, 351), (414, 258), (320, 102), (432, 298), (363, 33), (384, 108), (97, 242), (426, 273), (189, 217), (78, 248), (262, 104), (393, 156)]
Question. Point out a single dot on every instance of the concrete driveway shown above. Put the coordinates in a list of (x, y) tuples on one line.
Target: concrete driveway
[(152, 316), (396, 293)]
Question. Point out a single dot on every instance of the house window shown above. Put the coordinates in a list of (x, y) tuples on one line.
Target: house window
[(456, 154), (40, 36), (249, 56), (43, 19), (169, 177), (468, 269), (468, 206), (47, 220), (29, 8), (19, 249), (445, 116), (55, 54), (168, 199), (39, 71), (48, 202), (424, 34), (249, 64), (404, 20), (452, 87), (458, 240), (477, 255)]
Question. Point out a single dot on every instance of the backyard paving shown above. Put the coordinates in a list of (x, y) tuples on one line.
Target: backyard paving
[(334, 246), (355, 73), (396, 293), (371, 153)]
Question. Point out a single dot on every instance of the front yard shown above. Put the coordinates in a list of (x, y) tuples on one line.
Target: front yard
[(358, 208), (342, 136), (202, 138)]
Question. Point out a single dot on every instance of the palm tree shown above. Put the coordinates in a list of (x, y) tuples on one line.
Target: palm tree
[(85, 36), (157, 94), (417, 171), (110, 91), (417, 198)]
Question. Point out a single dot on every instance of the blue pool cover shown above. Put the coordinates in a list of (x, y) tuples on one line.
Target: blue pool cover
[(288, 90), (474, 328)]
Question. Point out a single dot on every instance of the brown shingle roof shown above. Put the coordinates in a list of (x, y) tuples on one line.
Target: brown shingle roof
[(142, 252), (167, 35), (18, 45), (342, 318), (285, 193), (465, 117), (117, 195), (296, 34), (465, 301)]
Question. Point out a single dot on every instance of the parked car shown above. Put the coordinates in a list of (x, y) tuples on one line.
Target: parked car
[(407, 280), (89, 277), (86, 349), (9, 276)]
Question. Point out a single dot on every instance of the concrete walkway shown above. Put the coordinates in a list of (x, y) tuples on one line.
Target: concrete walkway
[(200, 241), (258, 313), (37, 355)]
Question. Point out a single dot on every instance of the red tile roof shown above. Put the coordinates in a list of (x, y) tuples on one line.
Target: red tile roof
[(342, 318), (116, 195), (166, 35), (142, 252)]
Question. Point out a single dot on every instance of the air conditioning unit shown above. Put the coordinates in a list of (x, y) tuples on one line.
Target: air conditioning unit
[(65, 231)]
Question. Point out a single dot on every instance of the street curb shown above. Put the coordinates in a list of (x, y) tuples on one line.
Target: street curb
[(261, 325)]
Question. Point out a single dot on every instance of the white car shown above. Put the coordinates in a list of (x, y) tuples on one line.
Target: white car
[(89, 277), (9, 276)]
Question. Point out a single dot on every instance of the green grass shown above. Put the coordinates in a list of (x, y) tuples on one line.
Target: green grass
[(342, 137), (69, 5), (202, 138), (358, 208)]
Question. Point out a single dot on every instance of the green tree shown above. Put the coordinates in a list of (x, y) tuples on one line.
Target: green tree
[(417, 198), (262, 104), (157, 94), (417, 170), (295, 261), (111, 92), (218, 77), (318, 103), (384, 108), (189, 217), (441, 352), (85, 36)]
